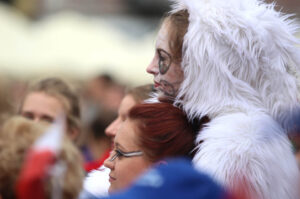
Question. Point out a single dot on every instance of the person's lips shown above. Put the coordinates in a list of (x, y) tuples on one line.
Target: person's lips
[(156, 84), (111, 179)]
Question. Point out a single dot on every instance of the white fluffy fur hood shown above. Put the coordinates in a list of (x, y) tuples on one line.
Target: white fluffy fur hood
[(238, 54), (237, 57)]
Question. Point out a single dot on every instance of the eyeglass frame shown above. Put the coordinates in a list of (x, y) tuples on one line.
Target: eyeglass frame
[(125, 154)]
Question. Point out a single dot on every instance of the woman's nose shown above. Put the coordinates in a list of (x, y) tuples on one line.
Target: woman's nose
[(109, 164), (111, 130), (153, 67)]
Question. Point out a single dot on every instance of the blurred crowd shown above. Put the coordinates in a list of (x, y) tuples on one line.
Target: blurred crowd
[(96, 100), (89, 107), (222, 132), (94, 110)]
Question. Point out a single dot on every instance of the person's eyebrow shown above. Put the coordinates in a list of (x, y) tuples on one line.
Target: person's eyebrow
[(48, 118), (26, 112), (162, 50), (119, 146)]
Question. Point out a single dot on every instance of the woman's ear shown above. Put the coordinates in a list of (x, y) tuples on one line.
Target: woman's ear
[(73, 134)]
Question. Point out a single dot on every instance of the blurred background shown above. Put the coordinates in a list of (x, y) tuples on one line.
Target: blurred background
[(100, 46), (80, 39), (83, 38)]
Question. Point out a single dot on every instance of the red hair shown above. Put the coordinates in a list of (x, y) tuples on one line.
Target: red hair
[(163, 131)]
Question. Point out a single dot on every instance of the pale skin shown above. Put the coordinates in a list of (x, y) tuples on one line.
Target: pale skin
[(41, 107), (126, 104), (125, 170), (167, 79)]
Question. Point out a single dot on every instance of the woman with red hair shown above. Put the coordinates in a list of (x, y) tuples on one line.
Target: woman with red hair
[(151, 133)]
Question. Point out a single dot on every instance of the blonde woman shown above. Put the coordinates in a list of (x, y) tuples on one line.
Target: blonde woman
[(16, 137)]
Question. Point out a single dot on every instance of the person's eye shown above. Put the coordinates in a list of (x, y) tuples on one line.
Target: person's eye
[(47, 119), (164, 62), (163, 66), (28, 115), (119, 153), (161, 58)]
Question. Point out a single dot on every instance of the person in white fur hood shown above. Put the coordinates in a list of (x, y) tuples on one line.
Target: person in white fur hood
[(231, 61)]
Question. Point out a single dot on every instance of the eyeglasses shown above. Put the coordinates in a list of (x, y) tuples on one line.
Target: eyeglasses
[(119, 153)]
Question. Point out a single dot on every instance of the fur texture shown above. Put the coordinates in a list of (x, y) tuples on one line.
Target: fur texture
[(237, 54), (249, 150), (236, 61)]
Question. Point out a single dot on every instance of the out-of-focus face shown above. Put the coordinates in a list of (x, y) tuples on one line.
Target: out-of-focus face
[(39, 106), (125, 170), (127, 103), (168, 74)]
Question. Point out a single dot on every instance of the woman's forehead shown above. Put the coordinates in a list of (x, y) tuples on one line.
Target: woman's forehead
[(162, 38), (126, 136)]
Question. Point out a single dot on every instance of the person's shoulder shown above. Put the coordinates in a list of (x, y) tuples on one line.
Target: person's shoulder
[(242, 126), (176, 178), (242, 134), (246, 144)]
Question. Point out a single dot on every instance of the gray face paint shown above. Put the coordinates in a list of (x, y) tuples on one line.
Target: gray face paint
[(169, 89), (164, 61), (168, 73)]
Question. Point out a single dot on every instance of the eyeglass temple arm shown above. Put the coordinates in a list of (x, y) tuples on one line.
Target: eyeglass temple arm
[(131, 154)]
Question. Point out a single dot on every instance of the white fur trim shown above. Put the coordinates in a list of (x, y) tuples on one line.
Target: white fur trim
[(252, 146), (153, 98), (237, 56)]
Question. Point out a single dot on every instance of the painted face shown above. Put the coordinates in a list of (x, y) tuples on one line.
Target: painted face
[(39, 106), (125, 168), (168, 74), (126, 104)]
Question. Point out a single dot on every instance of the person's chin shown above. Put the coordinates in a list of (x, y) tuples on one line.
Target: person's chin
[(162, 97), (111, 189)]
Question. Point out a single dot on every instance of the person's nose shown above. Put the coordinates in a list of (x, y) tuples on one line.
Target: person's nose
[(36, 119), (108, 163), (112, 129), (153, 67)]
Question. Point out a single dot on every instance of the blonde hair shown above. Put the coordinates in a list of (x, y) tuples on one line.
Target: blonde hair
[(16, 137), (177, 25), (61, 90)]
